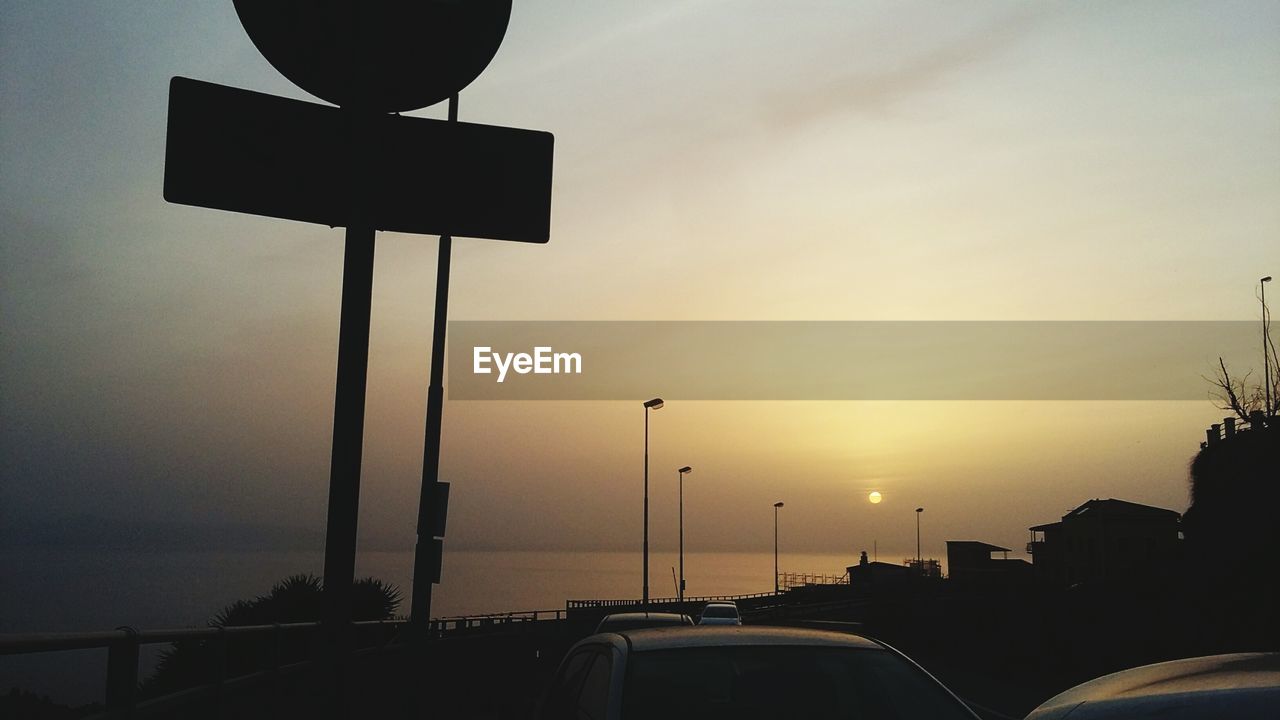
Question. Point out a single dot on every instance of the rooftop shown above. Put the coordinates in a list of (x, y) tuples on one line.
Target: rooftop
[(978, 545), (1111, 508), (1118, 508)]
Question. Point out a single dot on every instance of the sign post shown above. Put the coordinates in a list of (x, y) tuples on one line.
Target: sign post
[(364, 167), (426, 565)]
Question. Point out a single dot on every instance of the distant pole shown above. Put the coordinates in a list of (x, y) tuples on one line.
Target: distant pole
[(775, 546), (654, 404), (425, 562), (680, 588), (1266, 365), (919, 557)]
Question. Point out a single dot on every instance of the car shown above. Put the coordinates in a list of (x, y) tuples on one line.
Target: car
[(742, 673), (1240, 686), (636, 620), (720, 613)]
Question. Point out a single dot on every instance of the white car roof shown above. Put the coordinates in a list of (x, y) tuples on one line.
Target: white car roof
[(648, 639)]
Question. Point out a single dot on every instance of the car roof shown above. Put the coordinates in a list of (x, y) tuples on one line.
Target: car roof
[(645, 616), (1240, 681), (723, 602), (648, 639)]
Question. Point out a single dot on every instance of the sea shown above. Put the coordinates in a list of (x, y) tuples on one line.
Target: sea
[(91, 590)]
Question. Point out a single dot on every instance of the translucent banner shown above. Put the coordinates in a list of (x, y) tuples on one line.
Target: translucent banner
[(856, 360)]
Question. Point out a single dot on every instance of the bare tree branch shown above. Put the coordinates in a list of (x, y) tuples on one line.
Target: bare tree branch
[(1232, 395)]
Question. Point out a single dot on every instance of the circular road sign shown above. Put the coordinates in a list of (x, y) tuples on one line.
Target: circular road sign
[(381, 55)]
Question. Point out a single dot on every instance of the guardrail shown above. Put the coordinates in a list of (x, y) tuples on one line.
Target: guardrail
[(584, 604), (444, 625), (123, 651), (123, 645), (788, 580)]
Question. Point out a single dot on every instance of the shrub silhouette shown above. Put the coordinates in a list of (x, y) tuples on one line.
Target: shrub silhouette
[(1234, 497), (1233, 537), (296, 599)]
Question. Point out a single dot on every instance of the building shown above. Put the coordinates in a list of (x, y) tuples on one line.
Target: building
[(971, 562), (1105, 541), (872, 576)]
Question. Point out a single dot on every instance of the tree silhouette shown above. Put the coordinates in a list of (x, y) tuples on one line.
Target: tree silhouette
[(296, 599), (1232, 535), (1238, 395)]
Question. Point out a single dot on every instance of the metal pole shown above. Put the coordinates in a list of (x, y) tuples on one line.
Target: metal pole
[(344, 464), (424, 558), (645, 596), (919, 558), (348, 425), (352, 374), (775, 549), (1266, 366), (680, 589)]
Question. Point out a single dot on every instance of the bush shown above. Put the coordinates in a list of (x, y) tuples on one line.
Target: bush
[(296, 599)]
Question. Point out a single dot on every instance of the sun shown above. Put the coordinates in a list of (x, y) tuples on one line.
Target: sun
[(874, 497)]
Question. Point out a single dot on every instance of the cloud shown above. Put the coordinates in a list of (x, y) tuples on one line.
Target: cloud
[(876, 90)]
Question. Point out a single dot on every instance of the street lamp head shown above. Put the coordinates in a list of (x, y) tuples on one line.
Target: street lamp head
[(686, 469), (777, 504), (1266, 279), (919, 509), (654, 404)]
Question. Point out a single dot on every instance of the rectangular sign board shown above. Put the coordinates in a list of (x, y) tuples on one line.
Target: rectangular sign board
[(441, 506), (243, 151)]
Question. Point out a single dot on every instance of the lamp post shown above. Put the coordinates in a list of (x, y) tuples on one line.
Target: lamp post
[(775, 546), (919, 558), (1266, 365), (654, 404), (682, 472)]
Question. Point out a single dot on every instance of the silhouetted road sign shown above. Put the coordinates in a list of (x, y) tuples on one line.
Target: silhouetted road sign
[(440, 505), (383, 55), (238, 150)]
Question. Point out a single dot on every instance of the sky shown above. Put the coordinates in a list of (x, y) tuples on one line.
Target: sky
[(172, 367)]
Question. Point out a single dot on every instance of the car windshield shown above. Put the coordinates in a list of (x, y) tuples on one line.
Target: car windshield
[(720, 611), (782, 682)]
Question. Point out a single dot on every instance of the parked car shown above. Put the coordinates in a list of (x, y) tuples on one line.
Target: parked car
[(1243, 686), (742, 673), (720, 613), (637, 620)]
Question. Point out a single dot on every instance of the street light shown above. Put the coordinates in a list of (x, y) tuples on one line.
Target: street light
[(775, 546), (1266, 365), (682, 472), (919, 558), (654, 404)]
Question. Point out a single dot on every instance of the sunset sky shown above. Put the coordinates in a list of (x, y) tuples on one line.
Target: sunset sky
[(714, 160)]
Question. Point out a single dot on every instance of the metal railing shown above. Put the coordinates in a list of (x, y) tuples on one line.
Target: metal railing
[(688, 600), (1230, 427), (788, 580), (123, 651), (444, 625)]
